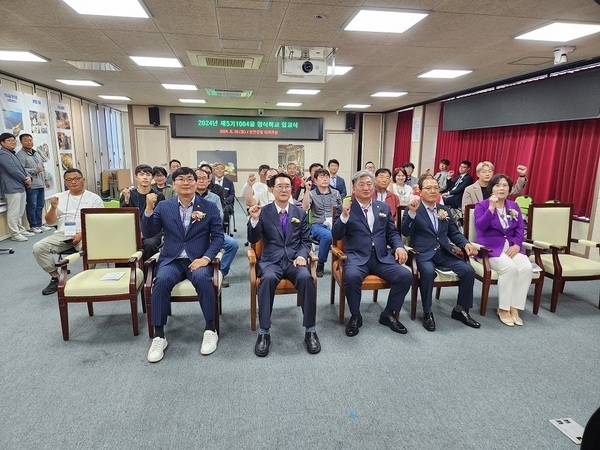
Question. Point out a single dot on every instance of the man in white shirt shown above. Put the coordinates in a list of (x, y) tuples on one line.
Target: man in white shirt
[(65, 211)]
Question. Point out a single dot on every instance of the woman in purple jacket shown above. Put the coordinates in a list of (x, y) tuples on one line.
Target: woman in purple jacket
[(499, 226)]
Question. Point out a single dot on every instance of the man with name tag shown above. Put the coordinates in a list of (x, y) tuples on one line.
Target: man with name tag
[(65, 212)]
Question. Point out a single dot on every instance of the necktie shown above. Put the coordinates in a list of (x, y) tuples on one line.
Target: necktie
[(333, 181), (283, 219), (433, 218), (366, 211)]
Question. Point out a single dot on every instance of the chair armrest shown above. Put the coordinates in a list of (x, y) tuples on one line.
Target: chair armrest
[(252, 260), (543, 245), (136, 256), (481, 248), (336, 252), (314, 259), (251, 256), (69, 259), (151, 262), (586, 242)]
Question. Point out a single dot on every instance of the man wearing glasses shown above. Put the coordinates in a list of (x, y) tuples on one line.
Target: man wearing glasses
[(431, 228), (65, 212), (14, 180), (283, 227)]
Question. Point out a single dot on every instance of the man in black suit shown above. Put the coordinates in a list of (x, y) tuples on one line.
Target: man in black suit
[(283, 227), (456, 186), (367, 227), (430, 227), (228, 191), (335, 181)]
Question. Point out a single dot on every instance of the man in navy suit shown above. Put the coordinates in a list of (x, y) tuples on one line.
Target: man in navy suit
[(228, 191), (456, 186), (283, 227), (430, 227), (335, 181), (193, 235), (367, 227)]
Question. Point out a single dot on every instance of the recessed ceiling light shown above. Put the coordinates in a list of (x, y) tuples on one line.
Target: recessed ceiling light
[(79, 82), (192, 100), (288, 104), (180, 87), (21, 56), (442, 73), (149, 61), (560, 32), (384, 21), (303, 91), (115, 8), (388, 94), (356, 106), (94, 65), (114, 97), (339, 70)]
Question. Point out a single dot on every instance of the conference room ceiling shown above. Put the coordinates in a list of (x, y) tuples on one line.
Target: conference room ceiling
[(476, 35)]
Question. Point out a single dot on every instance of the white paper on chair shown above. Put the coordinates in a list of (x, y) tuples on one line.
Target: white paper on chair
[(445, 271), (570, 428), (112, 276), (535, 267)]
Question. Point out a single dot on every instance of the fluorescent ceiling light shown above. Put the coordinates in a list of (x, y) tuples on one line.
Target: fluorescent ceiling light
[(442, 73), (21, 56), (384, 21), (388, 94), (192, 100), (303, 91), (93, 65), (560, 32), (114, 97), (115, 8), (288, 104), (149, 61), (180, 87), (339, 70), (80, 82), (356, 106)]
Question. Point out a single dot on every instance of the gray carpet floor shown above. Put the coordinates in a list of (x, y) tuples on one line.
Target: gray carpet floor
[(456, 388)]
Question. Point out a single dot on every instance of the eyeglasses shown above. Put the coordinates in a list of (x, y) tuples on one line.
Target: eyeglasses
[(202, 178), (431, 188), (283, 187), (73, 180), (185, 180)]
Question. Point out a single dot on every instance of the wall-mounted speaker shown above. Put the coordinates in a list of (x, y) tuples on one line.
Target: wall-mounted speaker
[(154, 116), (350, 121)]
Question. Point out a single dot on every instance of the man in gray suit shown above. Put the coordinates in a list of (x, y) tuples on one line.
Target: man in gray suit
[(283, 227)]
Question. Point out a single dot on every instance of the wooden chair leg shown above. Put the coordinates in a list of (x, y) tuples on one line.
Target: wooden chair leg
[(485, 293), (413, 302), (342, 303), (438, 290), (134, 315), (90, 306), (556, 284), (332, 290), (537, 296), (375, 292), (64, 319)]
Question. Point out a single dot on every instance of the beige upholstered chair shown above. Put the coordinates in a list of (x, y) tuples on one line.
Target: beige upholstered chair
[(183, 291), (108, 236), (285, 286), (487, 275), (549, 227)]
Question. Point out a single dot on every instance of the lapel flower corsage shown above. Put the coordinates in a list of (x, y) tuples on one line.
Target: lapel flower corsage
[(382, 215), (197, 216), (513, 214), (442, 214), (295, 220)]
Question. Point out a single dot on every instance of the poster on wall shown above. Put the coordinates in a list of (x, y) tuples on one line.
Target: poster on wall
[(291, 153), (64, 139), (36, 123), (227, 157)]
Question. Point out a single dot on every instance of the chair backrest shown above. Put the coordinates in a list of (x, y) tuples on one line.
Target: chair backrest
[(469, 223), (550, 222), (110, 233), (524, 201)]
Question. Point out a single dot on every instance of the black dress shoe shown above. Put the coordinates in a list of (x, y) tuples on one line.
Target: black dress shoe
[(313, 346), (465, 318), (320, 270), (428, 322), (263, 343), (354, 324), (390, 321)]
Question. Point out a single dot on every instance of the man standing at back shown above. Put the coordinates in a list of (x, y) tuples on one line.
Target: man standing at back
[(34, 166), (431, 228), (14, 181), (193, 235), (335, 181), (283, 227), (228, 191), (456, 186)]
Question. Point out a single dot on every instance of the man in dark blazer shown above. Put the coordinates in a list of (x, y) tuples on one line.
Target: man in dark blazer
[(431, 228), (283, 227), (456, 186), (367, 227), (335, 181), (193, 235), (228, 191)]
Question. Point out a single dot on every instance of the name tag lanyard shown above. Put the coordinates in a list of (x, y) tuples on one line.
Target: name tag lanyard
[(71, 227)]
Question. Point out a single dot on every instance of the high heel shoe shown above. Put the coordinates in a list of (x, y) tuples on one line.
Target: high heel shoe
[(508, 322)]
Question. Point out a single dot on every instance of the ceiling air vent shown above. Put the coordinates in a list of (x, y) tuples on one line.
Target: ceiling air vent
[(224, 60)]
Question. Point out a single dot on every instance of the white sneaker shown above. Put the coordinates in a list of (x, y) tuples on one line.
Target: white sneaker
[(209, 342), (36, 230), (157, 349), (45, 228), (18, 238), (26, 233)]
